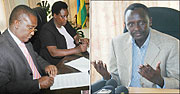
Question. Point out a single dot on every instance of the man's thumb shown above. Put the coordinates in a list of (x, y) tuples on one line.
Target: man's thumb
[(158, 66)]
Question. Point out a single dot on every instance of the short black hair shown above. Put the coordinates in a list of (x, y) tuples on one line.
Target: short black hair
[(39, 4), (18, 10), (57, 6), (137, 5)]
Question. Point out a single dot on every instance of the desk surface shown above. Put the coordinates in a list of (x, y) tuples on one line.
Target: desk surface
[(63, 69), (152, 90)]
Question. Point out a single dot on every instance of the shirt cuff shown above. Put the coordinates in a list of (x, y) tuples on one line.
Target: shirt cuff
[(39, 86), (157, 86), (110, 77)]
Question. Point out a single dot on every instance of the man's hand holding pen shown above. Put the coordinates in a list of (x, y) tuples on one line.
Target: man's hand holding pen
[(47, 81)]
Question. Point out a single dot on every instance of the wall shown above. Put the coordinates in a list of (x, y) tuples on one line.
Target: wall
[(6, 8)]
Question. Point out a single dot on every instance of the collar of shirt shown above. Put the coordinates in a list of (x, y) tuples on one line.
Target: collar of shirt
[(145, 43), (16, 39), (138, 55), (69, 39)]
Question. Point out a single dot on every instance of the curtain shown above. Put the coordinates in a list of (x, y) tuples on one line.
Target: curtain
[(8, 5), (107, 21), (2, 16), (72, 9), (32, 3)]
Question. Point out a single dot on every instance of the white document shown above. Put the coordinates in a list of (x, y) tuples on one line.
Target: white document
[(71, 80), (82, 64)]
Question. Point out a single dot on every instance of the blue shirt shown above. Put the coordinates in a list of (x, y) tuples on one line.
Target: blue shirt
[(138, 56)]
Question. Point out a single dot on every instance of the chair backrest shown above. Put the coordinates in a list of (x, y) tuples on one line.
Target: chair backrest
[(42, 19), (165, 20), (41, 15)]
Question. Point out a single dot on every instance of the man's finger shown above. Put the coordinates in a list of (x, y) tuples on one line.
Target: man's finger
[(141, 66), (143, 73), (158, 66), (56, 70), (94, 64), (105, 66), (100, 64)]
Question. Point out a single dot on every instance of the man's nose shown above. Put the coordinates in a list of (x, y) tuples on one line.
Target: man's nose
[(32, 33), (137, 26), (66, 18)]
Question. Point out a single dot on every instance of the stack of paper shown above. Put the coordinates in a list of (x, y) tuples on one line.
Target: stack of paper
[(82, 64), (72, 80)]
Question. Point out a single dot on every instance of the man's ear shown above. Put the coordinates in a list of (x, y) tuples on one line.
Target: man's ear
[(124, 25), (54, 15), (150, 21), (16, 23)]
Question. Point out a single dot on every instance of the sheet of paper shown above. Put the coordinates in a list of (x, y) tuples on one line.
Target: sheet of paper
[(71, 80), (82, 64)]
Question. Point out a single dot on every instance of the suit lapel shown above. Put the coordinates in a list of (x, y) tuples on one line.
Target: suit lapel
[(128, 55), (153, 49), (152, 52), (16, 48)]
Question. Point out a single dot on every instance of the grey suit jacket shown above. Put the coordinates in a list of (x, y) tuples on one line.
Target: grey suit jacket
[(15, 72), (161, 47)]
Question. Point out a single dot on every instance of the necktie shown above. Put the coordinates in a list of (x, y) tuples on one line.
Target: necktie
[(36, 74)]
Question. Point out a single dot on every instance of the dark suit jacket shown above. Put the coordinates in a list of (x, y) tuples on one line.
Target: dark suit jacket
[(15, 73)]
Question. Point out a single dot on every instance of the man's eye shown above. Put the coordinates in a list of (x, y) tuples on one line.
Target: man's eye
[(30, 28), (141, 23), (63, 16), (130, 24)]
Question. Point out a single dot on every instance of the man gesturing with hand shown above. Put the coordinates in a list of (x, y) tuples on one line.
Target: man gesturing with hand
[(142, 57)]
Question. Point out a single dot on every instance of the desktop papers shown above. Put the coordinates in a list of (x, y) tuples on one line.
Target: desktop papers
[(82, 64), (71, 80)]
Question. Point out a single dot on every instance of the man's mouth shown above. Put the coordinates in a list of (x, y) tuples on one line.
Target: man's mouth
[(138, 34), (29, 37)]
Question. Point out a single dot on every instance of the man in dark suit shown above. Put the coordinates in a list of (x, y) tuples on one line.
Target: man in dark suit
[(21, 69)]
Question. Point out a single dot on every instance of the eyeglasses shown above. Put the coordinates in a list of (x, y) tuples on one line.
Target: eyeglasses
[(63, 16), (32, 29)]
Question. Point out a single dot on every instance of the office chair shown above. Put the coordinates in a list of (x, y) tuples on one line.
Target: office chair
[(41, 19), (165, 20)]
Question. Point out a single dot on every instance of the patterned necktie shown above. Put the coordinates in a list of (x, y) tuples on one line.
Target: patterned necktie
[(36, 74)]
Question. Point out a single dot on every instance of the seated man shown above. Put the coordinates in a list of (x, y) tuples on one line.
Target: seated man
[(58, 38), (22, 71), (142, 57)]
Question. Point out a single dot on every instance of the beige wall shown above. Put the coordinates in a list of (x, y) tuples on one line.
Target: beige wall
[(72, 7), (7, 7)]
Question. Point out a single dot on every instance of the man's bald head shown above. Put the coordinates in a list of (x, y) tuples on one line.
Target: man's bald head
[(18, 11)]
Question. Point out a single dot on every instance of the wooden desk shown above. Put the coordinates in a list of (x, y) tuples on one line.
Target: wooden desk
[(152, 90), (63, 69)]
